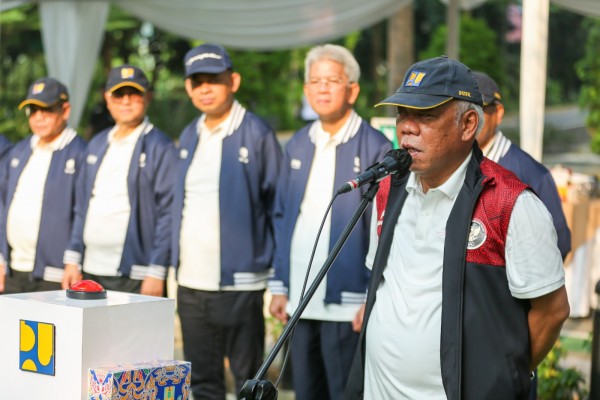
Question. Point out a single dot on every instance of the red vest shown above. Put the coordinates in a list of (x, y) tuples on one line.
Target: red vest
[(489, 226)]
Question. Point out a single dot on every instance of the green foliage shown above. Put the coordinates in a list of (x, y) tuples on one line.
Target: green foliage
[(22, 61), (557, 382), (567, 34), (474, 34), (588, 70), (272, 84)]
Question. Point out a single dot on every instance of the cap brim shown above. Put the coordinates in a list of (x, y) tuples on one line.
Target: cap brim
[(205, 70), (127, 84), (417, 101), (488, 100), (34, 101)]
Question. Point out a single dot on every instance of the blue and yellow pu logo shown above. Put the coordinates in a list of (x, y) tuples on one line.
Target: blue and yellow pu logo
[(36, 347), (415, 78), (126, 73), (38, 88)]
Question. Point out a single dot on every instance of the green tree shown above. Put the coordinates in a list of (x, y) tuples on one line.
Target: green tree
[(22, 61), (474, 34), (588, 70)]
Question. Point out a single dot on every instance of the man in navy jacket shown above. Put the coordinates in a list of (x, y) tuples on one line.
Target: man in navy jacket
[(121, 234), (500, 149), (38, 193), (229, 161), (320, 158)]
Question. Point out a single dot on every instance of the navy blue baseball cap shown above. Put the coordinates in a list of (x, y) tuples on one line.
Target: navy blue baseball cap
[(45, 92), (127, 75), (490, 93), (207, 59), (433, 82)]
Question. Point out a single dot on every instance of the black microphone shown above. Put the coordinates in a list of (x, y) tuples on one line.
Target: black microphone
[(395, 161)]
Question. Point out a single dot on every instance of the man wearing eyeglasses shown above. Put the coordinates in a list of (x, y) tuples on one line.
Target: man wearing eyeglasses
[(318, 159), (40, 181), (122, 221)]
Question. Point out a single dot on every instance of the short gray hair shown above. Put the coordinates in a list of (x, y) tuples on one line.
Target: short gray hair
[(335, 53), (463, 106)]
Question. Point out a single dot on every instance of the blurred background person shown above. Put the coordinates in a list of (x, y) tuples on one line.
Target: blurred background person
[(40, 181)]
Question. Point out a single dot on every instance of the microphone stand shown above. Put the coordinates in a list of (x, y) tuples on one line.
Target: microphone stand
[(262, 389)]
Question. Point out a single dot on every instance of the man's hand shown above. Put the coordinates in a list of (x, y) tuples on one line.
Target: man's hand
[(2, 277), (277, 307), (153, 287), (358, 319), (71, 276)]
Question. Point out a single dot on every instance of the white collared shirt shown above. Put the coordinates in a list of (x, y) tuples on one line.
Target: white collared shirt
[(200, 239), (109, 209), (25, 211), (200, 235), (317, 195), (497, 147)]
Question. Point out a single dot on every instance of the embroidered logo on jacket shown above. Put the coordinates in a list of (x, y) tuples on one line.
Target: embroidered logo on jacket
[(295, 163), (477, 235), (70, 166), (243, 155), (92, 159), (356, 165)]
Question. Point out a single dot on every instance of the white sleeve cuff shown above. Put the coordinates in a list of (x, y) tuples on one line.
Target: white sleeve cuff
[(157, 272), (277, 288), (72, 257)]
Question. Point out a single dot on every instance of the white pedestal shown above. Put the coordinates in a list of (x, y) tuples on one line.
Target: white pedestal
[(124, 328)]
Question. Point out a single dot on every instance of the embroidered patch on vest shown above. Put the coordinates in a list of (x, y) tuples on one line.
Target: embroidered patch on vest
[(477, 235)]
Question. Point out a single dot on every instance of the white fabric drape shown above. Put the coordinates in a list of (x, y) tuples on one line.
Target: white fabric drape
[(534, 51), (467, 4), (72, 34), (8, 4), (585, 7), (262, 24), (73, 29)]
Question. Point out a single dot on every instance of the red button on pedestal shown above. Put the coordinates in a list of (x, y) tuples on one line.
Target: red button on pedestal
[(86, 290)]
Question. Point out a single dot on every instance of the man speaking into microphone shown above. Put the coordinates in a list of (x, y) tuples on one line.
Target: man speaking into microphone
[(467, 289), (319, 159)]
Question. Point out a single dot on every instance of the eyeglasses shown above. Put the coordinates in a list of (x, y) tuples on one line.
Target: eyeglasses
[(332, 82), (135, 96), (32, 109)]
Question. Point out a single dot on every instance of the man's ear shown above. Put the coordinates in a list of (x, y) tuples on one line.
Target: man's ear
[(66, 111), (499, 113), (354, 91), (236, 81), (469, 123), (188, 87)]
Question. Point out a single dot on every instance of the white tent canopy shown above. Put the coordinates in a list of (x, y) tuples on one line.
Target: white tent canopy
[(72, 32)]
